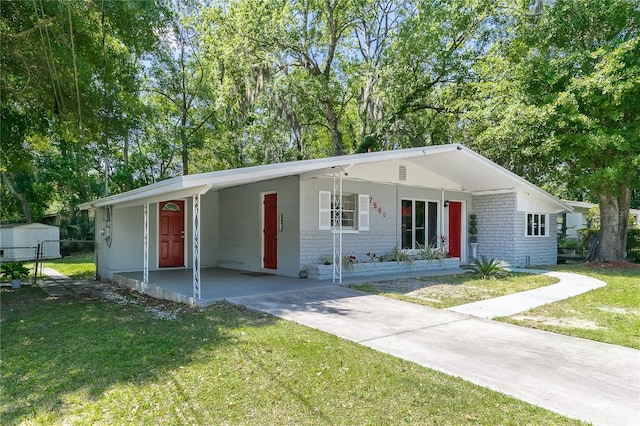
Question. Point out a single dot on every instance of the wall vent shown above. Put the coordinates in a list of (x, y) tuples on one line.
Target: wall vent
[(402, 173)]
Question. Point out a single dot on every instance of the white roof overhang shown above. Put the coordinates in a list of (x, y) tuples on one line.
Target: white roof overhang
[(451, 167), (580, 204)]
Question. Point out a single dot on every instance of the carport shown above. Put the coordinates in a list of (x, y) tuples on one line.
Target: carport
[(216, 284)]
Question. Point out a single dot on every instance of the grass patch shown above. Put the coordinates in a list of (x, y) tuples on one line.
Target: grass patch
[(76, 266), (610, 314), (97, 361), (453, 290)]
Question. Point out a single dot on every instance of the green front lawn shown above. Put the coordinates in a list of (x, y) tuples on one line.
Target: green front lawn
[(610, 314), (97, 361)]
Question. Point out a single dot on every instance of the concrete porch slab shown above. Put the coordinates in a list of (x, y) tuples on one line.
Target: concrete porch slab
[(216, 284)]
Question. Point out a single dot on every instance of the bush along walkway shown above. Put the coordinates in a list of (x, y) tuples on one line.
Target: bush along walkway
[(570, 285)]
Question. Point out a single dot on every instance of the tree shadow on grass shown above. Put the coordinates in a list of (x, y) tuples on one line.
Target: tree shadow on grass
[(52, 347)]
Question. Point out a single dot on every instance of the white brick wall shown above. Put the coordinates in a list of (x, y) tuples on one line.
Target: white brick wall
[(535, 250), (384, 223), (380, 238), (496, 222), (501, 232)]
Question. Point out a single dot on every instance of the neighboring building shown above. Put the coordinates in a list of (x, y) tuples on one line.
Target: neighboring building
[(19, 241), (569, 223), (52, 219), (279, 218), (635, 215)]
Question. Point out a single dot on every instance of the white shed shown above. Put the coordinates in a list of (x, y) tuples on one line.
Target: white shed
[(19, 241)]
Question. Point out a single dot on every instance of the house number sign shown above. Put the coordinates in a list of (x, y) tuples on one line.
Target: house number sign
[(376, 207)]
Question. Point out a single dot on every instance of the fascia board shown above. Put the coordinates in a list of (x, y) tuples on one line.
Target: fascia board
[(129, 199), (580, 204), (520, 181), (234, 177), (142, 192), (165, 196)]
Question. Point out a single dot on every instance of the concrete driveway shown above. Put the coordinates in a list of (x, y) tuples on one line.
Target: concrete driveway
[(583, 379)]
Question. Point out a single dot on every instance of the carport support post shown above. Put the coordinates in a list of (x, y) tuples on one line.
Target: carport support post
[(145, 268), (442, 227), (337, 226), (196, 246)]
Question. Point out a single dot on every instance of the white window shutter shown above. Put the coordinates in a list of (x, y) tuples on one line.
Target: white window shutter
[(363, 212), (324, 210)]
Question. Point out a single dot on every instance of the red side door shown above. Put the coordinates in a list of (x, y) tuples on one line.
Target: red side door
[(270, 231), (455, 228), (171, 239)]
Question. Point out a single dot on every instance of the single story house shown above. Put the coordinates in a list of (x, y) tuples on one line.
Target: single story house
[(282, 218), (19, 241)]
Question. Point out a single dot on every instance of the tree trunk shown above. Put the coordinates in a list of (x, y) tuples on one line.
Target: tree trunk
[(184, 106), (19, 197), (614, 223), (332, 122), (125, 161), (184, 144)]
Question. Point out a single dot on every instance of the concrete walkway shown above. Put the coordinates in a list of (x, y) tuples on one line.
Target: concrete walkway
[(60, 285), (583, 379), (569, 285)]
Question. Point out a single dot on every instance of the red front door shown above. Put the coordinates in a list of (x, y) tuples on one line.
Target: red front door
[(270, 231), (171, 233), (455, 228)]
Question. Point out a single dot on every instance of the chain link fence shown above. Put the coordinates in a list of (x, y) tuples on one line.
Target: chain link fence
[(65, 259), (53, 260)]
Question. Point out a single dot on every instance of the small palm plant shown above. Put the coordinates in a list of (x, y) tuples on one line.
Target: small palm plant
[(489, 269), (430, 252)]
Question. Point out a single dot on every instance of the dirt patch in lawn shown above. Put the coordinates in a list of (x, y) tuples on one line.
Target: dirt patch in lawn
[(619, 264), (161, 309), (430, 291), (621, 311), (568, 322), (402, 286), (433, 293), (96, 290), (441, 292)]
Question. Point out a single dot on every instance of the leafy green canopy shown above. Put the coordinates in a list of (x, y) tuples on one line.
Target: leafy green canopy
[(69, 94), (556, 101)]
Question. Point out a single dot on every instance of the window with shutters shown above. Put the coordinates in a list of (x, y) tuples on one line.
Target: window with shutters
[(355, 211)]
